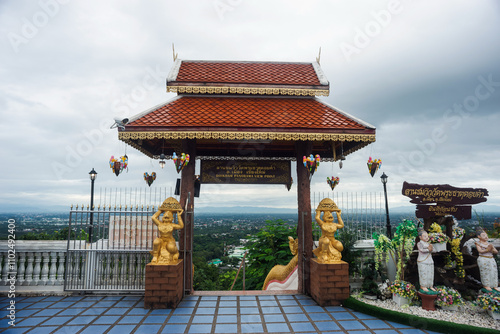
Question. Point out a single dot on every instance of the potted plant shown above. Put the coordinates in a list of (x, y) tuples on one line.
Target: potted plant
[(437, 238), (402, 292), (448, 298), (370, 287), (491, 303)]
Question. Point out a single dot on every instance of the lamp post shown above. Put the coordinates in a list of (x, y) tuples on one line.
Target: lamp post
[(383, 178), (93, 175)]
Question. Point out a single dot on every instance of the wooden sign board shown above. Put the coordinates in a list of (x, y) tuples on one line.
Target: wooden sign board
[(443, 194), (430, 211), (245, 171)]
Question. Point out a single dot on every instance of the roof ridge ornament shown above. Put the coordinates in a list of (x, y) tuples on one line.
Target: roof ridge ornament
[(173, 52), (319, 56)]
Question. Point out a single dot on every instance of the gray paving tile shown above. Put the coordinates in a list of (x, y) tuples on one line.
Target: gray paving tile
[(226, 319), (302, 327), (95, 329), (252, 328), (200, 329), (147, 329), (107, 319)]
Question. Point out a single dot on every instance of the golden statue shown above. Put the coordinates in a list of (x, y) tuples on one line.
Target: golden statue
[(279, 272), (329, 249), (164, 247)]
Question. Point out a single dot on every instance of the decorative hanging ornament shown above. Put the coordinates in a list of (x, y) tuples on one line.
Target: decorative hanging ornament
[(288, 186), (373, 165), (311, 163), (180, 162), (333, 182), (149, 178), (118, 165)]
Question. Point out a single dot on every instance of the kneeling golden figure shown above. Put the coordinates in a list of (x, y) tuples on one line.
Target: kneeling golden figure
[(329, 249), (164, 247)]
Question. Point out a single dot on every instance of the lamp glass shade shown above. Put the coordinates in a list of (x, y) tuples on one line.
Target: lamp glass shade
[(383, 178), (93, 174)]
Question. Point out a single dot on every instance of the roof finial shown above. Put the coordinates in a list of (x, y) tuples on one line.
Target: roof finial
[(319, 55), (173, 52)]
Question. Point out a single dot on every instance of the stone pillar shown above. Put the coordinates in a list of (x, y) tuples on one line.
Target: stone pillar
[(329, 282), (163, 285), (304, 227)]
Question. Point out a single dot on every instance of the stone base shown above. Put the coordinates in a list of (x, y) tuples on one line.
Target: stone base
[(329, 282), (163, 285)]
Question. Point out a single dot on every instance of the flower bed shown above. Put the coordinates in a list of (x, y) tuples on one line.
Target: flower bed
[(403, 289), (448, 296), (489, 302)]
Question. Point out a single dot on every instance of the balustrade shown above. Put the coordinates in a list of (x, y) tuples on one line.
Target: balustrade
[(39, 265)]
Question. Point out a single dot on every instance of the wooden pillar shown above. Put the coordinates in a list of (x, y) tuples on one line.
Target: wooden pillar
[(304, 227), (187, 203)]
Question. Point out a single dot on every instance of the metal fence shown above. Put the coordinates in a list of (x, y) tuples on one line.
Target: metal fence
[(362, 212), (108, 248)]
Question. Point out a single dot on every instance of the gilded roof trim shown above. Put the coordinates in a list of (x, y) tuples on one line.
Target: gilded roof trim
[(285, 136), (247, 90)]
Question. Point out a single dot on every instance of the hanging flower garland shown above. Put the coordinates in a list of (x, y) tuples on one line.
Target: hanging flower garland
[(458, 234), (333, 182), (373, 165), (118, 165), (405, 235), (180, 162), (149, 178), (311, 163), (383, 246)]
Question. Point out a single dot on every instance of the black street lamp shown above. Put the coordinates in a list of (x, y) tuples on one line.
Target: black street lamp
[(383, 178), (93, 175)]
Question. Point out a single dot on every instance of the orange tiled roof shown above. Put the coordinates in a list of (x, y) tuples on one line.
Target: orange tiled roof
[(248, 72), (275, 78), (255, 113)]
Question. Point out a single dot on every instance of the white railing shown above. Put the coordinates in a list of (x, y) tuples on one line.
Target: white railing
[(38, 266)]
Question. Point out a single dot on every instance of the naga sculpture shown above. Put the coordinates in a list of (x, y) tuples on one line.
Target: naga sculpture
[(164, 247), (329, 249), (279, 272)]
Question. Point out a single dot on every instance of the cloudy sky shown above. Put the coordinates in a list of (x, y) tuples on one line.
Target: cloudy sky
[(426, 74)]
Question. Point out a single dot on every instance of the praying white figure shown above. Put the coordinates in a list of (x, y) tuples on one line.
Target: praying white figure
[(486, 263), (425, 262)]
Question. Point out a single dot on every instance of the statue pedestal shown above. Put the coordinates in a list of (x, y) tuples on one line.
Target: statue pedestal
[(163, 285), (428, 301), (329, 282)]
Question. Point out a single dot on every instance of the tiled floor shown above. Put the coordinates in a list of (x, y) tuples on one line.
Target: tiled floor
[(195, 314)]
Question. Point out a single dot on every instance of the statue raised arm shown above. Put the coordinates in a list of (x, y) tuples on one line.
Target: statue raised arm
[(164, 247), (329, 249)]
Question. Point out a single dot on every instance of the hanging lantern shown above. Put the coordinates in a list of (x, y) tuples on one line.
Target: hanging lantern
[(149, 178), (373, 165), (118, 165), (180, 162), (333, 182), (162, 160), (311, 163)]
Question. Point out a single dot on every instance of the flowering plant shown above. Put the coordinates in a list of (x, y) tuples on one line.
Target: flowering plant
[(458, 233), (435, 238), (403, 289), (436, 234), (448, 296), (489, 302)]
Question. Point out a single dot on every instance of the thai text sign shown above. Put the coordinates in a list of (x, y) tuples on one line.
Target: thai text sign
[(430, 211), (443, 194), (244, 171)]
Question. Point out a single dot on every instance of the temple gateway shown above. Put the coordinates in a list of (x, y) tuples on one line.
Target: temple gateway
[(259, 112)]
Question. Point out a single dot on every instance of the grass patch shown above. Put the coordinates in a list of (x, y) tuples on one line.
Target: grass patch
[(413, 320)]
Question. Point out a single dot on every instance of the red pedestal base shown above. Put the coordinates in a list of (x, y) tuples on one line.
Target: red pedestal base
[(428, 301), (329, 282), (163, 285)]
